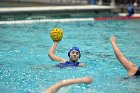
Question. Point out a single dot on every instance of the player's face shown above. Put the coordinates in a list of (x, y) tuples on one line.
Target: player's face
[(74, 55)]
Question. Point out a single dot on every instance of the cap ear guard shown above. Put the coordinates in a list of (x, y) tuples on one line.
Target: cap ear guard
[(74, 48)]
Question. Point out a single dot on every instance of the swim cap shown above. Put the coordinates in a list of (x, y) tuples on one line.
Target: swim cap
[(74, 48)]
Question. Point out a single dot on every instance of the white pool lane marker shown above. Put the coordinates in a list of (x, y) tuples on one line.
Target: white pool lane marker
[(46, 20)]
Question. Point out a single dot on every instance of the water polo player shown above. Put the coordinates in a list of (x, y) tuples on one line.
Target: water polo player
[(131, 68), (74, 54)]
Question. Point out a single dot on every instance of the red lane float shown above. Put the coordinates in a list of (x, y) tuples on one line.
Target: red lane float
[(117, 18)]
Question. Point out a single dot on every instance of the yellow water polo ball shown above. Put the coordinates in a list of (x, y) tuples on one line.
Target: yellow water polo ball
[(56, 34)]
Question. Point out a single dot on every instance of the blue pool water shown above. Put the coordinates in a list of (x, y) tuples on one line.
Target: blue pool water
[(25, 65)]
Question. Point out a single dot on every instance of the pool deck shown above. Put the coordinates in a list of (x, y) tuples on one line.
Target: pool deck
[(6, 12), (124, 14), (55, 8)]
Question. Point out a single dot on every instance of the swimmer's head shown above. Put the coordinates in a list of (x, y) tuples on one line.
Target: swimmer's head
[(74, 53)]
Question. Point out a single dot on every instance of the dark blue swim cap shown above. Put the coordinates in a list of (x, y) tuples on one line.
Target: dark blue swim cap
[(74, 48)]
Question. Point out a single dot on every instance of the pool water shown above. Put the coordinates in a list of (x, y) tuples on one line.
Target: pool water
[(25, 65)]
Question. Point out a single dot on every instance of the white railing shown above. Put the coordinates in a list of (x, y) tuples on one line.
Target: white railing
[(63, 2)]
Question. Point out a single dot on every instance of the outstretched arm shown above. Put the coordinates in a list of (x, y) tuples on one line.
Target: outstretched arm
[(129, 66), (57, 86), (52, 54)]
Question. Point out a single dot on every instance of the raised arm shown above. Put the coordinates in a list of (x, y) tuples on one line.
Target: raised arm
[(52, 55), (57, 86), (129, 66)]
